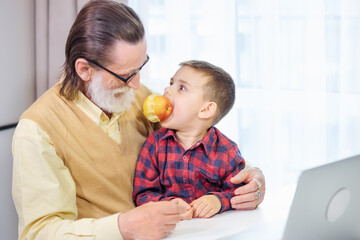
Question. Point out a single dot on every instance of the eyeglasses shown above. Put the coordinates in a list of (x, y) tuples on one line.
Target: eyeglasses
[(124, 79)]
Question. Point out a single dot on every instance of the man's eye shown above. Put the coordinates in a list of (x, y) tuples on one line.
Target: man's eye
[(125, 75)]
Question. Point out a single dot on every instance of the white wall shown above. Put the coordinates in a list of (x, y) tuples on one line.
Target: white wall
[(17, 57), (8, 217), (17, 92)]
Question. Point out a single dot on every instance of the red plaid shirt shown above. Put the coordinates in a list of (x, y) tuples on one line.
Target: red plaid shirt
[(165, 170)]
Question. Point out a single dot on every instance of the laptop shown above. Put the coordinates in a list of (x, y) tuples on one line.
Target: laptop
[(326, 205)]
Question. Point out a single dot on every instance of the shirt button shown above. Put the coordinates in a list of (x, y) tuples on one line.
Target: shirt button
[(184, 180), (184, 157)]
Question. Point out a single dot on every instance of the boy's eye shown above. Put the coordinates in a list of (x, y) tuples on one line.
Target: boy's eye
[(182, 88)]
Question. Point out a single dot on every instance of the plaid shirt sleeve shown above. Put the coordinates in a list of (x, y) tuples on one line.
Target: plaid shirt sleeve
[(147, 186), (232, 166)]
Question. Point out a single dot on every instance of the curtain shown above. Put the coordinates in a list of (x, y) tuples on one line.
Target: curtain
[(53, 20), (295, 64)]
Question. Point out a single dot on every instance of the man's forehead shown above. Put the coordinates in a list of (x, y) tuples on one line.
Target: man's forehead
[(128, 56)]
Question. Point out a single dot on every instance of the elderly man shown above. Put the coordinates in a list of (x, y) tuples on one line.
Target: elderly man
[(75, 148)]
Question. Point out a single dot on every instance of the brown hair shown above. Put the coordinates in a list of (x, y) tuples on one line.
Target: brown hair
[(220, 87), (97, 27)]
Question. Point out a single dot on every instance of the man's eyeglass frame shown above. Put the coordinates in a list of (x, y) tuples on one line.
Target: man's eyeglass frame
[(125, 80)]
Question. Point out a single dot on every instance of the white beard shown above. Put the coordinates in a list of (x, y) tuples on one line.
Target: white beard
[(106, 99)]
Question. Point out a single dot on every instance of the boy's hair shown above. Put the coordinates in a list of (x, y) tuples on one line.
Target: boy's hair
[(220, 87)]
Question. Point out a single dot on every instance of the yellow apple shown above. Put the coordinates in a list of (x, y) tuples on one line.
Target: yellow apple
[(157, 108)]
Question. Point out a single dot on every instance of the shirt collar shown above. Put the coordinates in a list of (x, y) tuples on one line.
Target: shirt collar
[(169, 133), (208, 141), (93, 111)]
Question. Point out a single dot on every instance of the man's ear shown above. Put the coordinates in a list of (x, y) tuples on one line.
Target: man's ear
[(208, 110), (83, 69)]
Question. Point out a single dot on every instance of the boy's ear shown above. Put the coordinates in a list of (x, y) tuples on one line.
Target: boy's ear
[(83, 69), (208, 110)]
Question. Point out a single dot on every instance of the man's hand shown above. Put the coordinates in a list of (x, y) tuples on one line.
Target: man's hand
[(153, 220), (206, 206), (189, 209), (252, 194)]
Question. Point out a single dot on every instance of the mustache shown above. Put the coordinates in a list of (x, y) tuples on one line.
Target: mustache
[(120, 90)]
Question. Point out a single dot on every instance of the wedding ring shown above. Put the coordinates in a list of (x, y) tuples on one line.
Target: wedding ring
[(257, 194), (258, 183)]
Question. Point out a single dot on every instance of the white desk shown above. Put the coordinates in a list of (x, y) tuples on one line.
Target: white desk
[(271, 213)]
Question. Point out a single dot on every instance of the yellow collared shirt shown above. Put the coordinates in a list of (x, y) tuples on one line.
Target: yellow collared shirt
[(36, 164)]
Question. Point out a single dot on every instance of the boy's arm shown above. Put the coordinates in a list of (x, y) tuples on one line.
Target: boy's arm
[(147, 185), (234, 164)]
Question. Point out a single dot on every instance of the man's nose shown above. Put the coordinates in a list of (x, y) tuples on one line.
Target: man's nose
[(134, 83)]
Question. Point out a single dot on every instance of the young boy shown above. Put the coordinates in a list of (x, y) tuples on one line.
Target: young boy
[(189, 160)]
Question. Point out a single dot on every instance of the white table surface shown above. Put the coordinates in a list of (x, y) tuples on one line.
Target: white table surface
[(272, 213)]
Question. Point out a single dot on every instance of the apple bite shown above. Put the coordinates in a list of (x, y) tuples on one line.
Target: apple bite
[(157, 108)]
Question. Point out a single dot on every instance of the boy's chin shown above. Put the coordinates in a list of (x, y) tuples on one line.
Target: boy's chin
[(166, 123)]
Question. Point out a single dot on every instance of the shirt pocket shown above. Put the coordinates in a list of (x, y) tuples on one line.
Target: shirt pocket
[(208, 182)]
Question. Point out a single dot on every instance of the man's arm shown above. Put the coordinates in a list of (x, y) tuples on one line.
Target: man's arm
[(44, 191)]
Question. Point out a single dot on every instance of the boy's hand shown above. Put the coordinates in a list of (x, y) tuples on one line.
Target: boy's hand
[(189, 209), (206, 206)]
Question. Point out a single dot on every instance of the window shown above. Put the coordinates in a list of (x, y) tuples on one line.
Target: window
[(296, 68)]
